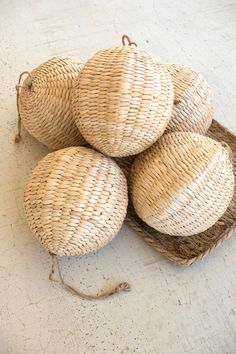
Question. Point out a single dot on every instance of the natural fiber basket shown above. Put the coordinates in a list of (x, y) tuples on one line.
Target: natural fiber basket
[(182, 184), (187, 250), (44, 103), (122, 100), (75, 203), (193, 105)]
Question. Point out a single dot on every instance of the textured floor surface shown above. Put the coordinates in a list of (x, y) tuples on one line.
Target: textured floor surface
[(170, 309)]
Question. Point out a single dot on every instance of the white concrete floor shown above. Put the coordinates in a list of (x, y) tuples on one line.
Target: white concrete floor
[(170, 309)]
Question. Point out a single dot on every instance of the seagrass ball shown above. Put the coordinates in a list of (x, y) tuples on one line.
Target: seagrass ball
[(183, 184), (122, 100), (45, 103), (193, 105), (75, 201)]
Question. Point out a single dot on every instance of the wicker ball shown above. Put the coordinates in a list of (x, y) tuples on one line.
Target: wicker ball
[(183, 184), (45, 103), (75, 201), (122, 100), (193, 106)]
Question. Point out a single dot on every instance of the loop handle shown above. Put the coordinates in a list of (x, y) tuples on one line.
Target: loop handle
[(125, 39), (18, 87), (119, 288)]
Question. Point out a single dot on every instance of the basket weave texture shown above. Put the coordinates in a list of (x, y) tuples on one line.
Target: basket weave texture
[(122, 100), (182, 184), (75, 201), (188, 250), (193, 107), (45, 103)]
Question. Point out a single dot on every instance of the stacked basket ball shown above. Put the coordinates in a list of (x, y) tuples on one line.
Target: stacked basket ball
[(124, 103)]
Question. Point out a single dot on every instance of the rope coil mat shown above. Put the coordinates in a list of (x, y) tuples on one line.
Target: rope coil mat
[(188, 250), (116, 290)]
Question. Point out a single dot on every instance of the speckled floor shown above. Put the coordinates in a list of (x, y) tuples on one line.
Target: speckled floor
[(170, 309)]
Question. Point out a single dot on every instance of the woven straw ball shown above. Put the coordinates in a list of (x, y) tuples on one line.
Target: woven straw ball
[(122, 100), (183, 184), (193, 106), (45, 103), (75, 201)]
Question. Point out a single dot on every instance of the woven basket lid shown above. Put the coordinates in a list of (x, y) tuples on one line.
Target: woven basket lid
[(193, 106), (183, 184), (45, 103), (122, 100), (75, 201)]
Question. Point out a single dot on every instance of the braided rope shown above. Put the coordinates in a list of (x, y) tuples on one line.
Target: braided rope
[(102, 295), (126, 38), (18, 87)]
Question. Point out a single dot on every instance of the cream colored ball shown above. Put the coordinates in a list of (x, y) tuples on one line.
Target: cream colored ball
[(122, 101), (75, 201), (193, 104), (45, 103), (183, 184)]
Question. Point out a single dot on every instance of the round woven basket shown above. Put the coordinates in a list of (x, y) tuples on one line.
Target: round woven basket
[(75, 201), (122, 100), (193, 105), (44, 103), (183, 184)]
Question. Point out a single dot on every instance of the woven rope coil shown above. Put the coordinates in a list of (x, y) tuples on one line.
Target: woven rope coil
[(75, 201), (44, 103), (183, 184), (193, 105), (122, 100)]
